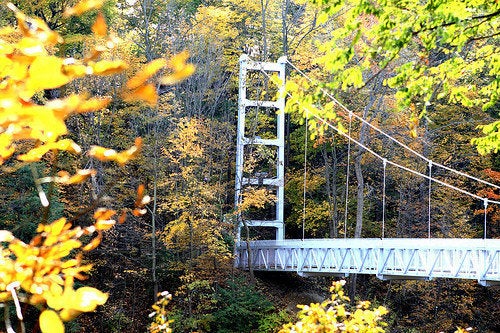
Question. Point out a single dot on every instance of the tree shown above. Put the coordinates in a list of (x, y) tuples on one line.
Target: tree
[(438, 51)]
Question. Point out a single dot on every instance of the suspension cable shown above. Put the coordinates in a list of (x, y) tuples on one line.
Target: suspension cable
[(429, 201), (485, 203), (305, 180), (383, 199), (347, 175), (402, 167), (327, 93)]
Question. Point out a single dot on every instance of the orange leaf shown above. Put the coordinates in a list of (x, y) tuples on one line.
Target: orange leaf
[(148, 71), (178, 76), (99, 28), (93, 104), (79, 177), (181, 70), (104, 214), (82, 7), (139, 212), (105, 154), (93, 243), (122, 217), (140, 193), (145, 93)]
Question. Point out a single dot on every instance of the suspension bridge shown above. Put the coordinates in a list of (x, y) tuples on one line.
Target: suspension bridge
[(387, 258)]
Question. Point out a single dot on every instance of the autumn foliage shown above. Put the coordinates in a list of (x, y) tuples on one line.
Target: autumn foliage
[(42, 272)]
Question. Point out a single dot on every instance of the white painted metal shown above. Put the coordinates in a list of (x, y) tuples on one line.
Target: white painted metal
[(278, 182), (391, 258)]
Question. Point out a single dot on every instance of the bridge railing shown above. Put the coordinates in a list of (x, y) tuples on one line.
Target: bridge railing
[(392, 258)]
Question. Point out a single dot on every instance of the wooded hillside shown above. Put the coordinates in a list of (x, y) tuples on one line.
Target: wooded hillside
[(117, 158)]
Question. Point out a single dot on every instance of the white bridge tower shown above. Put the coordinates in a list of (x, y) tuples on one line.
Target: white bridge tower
[(249, 140)]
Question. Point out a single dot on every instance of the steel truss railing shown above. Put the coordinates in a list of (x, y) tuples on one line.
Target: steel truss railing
[(392, 258)]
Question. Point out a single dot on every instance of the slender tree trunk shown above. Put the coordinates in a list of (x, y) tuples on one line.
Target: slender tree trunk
[(249, 252), (263, 5), (284, 26), (331, 189), (153, 216), (363, 138)]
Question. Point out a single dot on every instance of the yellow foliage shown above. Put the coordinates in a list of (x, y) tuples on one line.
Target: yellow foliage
[(255, 198), (335, 315), (216, 22), (27, 67), (45, 271), (161, 324)]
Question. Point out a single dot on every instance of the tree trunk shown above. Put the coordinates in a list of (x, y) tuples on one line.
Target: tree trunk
[(331, 189), (284, 26), (249, 252), (263, 5), (364, 133)]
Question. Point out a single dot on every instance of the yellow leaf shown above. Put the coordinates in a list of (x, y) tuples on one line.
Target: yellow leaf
[(178, 61), (82, 7), (5, 31), (88, 298), (148, 71), (102, 154), (57, 226), (70, 263), (104, 224), (45, 72), (181, 70), (99, 28), (145, 93), (108, 67), (34, 27), (74, 70), (36, 154), (50, 322), (31, 47), (6, 236), (69, 314)]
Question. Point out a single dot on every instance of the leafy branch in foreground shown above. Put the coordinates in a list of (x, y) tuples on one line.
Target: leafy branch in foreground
[(335, 315), (42, 272)]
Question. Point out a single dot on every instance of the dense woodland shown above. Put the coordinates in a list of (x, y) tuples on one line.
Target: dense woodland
[(426, 73)]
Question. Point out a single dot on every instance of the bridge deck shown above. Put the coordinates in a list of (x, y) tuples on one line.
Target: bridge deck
[(390, 258)]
